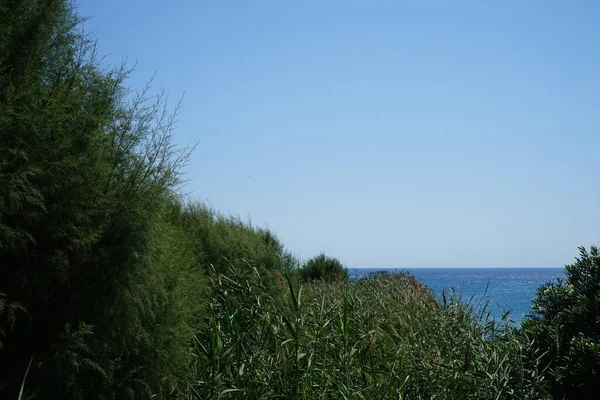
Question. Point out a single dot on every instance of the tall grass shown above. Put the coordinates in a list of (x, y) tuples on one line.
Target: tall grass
[(380, 338)]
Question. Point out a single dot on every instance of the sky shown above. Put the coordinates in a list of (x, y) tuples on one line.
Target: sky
[(384, 133)]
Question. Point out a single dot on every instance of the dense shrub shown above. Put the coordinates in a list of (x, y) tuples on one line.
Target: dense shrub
[(222, 241), (94, 276), (324, 268), (566, 325), (102, 272)]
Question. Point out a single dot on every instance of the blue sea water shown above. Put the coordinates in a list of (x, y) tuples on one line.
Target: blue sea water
[(507, 288)]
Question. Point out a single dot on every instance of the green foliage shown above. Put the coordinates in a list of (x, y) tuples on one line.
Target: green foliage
[(378, 338), (102, 273), (324, 268), (222, 241), (98, 280), (8, 316), (566, 324)]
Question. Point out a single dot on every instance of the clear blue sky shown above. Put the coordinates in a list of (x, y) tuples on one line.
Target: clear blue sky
[(388, 134)]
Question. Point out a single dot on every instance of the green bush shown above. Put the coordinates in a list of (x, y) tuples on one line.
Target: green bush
[(95, 277), (324, 268), (102, 278), (222, 241), (566, 325)]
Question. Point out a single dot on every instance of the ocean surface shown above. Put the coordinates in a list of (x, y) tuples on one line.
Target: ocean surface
[(507, 288)]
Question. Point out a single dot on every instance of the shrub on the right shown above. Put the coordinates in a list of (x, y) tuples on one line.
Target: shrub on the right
[(566, 325)]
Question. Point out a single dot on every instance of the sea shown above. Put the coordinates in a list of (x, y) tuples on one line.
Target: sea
[(507, 289)]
